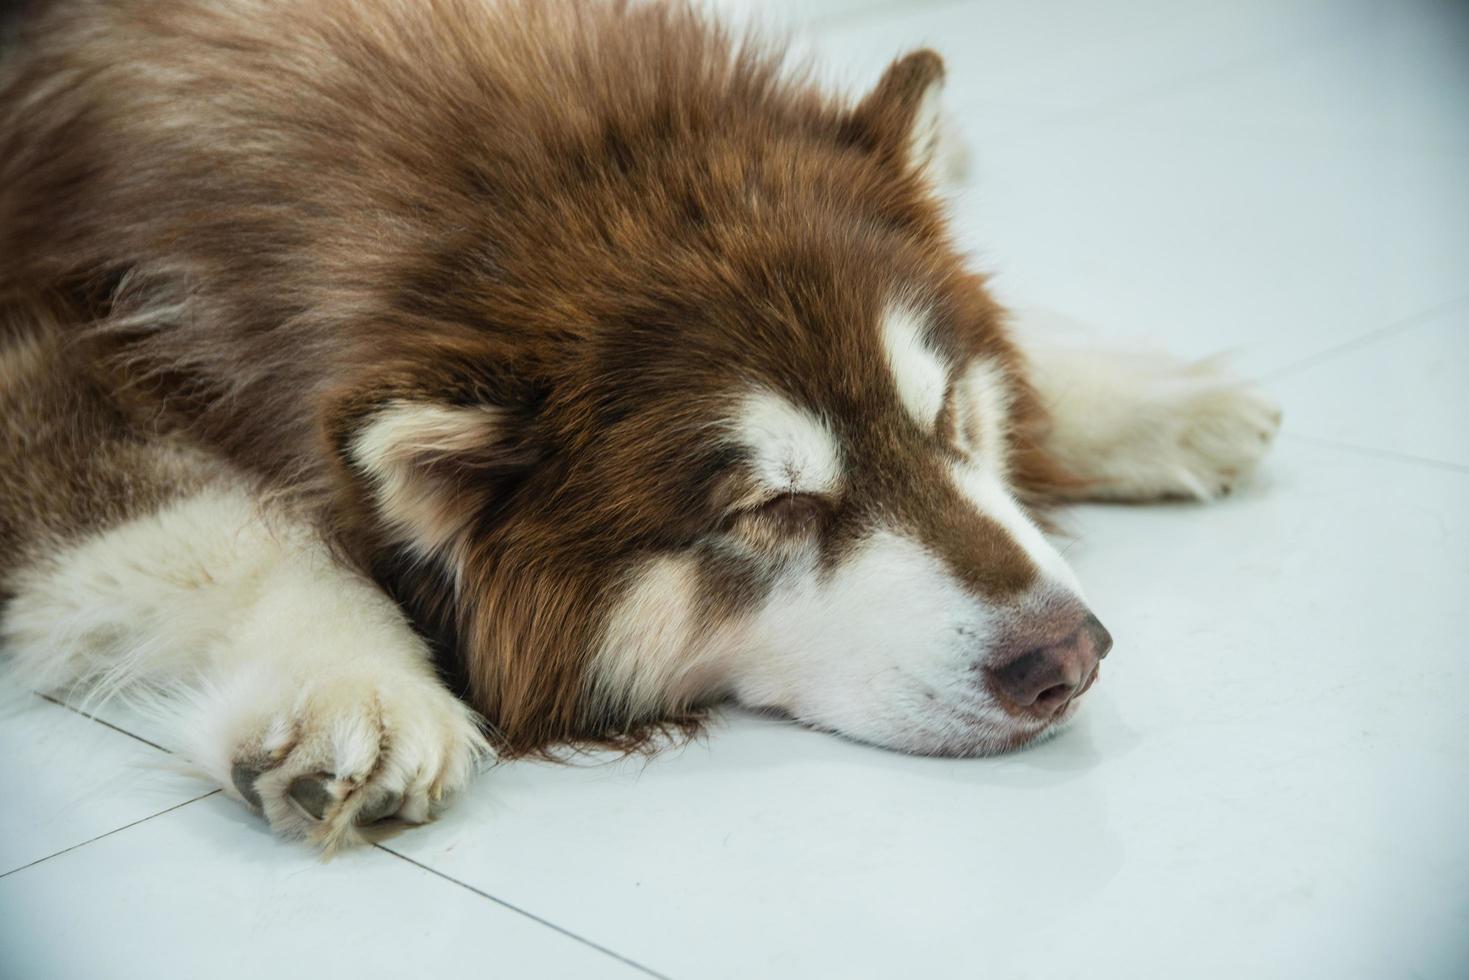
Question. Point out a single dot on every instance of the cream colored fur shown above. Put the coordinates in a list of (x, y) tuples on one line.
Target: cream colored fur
[(1144, 425), (270, 662), (393, 448)]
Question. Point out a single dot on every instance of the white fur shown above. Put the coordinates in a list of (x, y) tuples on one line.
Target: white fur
[(881, 650), (792, 450), (1142, 425), (255, 645), (921, 377)]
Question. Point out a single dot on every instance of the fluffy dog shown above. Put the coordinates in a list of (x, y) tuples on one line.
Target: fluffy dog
[(586, 345)]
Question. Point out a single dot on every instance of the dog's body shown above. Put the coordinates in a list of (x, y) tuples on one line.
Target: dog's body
[(640, 373)]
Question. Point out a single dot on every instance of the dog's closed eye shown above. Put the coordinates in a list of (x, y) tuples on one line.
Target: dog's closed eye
[(785, 515)]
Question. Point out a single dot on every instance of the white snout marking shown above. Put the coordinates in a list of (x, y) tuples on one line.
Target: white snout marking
[(984, 489)]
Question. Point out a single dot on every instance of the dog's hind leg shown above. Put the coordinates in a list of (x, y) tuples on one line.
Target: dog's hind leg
[(1139, 425), (294, 682)]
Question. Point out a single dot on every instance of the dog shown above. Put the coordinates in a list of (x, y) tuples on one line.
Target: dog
[(390, 384)]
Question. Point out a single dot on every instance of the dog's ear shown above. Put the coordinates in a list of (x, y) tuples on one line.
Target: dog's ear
[(430, 468), (431, 455), (900, 120)]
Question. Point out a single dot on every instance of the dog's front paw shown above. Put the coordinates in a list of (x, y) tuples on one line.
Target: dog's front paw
[(1149, 427), (325, 757), (1217, 430)]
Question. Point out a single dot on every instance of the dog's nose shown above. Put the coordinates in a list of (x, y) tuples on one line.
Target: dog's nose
[(1044, 679)]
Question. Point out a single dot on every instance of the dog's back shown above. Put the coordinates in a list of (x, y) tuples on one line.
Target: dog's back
[(269, 201)]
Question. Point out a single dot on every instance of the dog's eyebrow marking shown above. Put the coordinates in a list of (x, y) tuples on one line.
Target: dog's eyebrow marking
[(791, 449), (918, 371)]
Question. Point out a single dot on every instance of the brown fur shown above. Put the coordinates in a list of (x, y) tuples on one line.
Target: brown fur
[(71, 463), (595, 219)]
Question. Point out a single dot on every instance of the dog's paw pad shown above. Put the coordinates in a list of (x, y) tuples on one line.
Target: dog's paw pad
[(243, 775), (387, 804), (313, 794)]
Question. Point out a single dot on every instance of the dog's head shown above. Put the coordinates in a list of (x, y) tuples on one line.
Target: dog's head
[(727, 417)]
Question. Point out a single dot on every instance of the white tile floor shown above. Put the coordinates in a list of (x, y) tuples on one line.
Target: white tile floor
[(1272, 781)]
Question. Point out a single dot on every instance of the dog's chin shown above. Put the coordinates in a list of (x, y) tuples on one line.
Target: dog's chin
[(957, 735), (1054, 728), (1040, 733)]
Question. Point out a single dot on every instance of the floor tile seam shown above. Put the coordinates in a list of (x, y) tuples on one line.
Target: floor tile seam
[(1374, 452), (1365, 339), (510, 906), (103, 722), (115, 830)]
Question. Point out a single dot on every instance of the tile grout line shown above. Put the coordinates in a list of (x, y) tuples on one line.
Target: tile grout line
[(1366, 339), (520, 911), (116, 830), (439, 874), (402, 857), (1347, 447), (104, 724)]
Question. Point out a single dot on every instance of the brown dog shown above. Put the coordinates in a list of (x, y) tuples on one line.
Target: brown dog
[(639, 371)]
